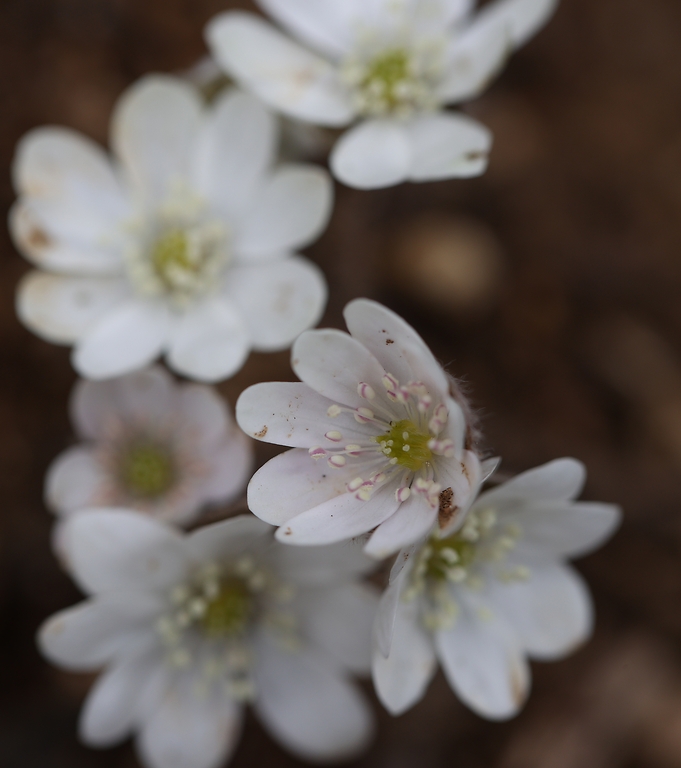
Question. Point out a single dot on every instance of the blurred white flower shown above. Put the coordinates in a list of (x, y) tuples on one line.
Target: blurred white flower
[(150, 444), (189, 628), (391, 64), (180, 244), (483, 597), (379, 441)]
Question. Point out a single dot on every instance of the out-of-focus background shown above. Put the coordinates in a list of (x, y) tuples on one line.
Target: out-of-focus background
[(551, 285)]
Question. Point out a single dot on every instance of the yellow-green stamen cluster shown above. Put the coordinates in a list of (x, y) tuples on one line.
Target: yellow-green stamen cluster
[(147, 470), (170, 256), (229, 612), (406, 445)]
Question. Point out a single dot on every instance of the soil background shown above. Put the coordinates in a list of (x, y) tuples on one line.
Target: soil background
[(551, 285)]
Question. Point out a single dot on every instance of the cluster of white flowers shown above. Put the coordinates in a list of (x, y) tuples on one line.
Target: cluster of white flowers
[(182, 243)]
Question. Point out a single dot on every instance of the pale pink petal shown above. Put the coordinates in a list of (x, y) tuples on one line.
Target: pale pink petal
[(340, 518), (230, 468), (413, 520), (75, 480)]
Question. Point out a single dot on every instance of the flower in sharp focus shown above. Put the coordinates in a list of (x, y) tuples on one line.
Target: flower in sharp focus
[(190, 628), (390, 65), (150, 444), (482, 598), (379, 441), (182, 243)]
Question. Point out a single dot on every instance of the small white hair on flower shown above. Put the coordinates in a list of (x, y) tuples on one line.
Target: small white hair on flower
[(187, 629), (149, 444), (485, 596), (181, 244), (392, 65), (379, 441)]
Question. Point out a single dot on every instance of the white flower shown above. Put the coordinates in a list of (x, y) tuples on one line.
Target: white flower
[(379, 441), (390, 64), (483, 597), (181, 243), (188, 628), (152, 445)]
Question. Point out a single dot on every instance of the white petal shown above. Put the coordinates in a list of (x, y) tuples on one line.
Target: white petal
[(308, 706), (144, 398), (236, 146), (317, 566), (551, 612), (153, 130), (190, 729), (402, 678), (333, 364), (127, 338), (230, 468), (229, 538), (446, 146), (94, 632), (75, 480), (561, 529), (291, 211), (339, 621), (210, 343), (292, 483), (116, 549), (341, 518), (68, 171), (373, 154), (395, 344), (412, 521), (292, 414), (463, 476), (277, 300), (109, 713), (483, 660), (326, 25), (386, 614), (41, 243), (474, 58), (524, 18), (558, 480), (62, 309), (280, 72)]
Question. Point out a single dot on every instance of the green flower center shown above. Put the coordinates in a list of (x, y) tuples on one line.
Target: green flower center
[(147, 470), (385, 74), (170, 256), (229, 612), (446, 554), (406, 445)]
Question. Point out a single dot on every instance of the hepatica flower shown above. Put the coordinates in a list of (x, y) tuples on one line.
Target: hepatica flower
[(180, 243), (483, 597), (390, 66), (379, 440), (150, 444), (190, 628)]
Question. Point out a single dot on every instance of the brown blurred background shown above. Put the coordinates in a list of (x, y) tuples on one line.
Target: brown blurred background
[(551, 285)]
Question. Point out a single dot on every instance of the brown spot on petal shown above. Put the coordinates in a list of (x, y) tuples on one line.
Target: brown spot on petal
[(518, 687), (38, 239), (261, 434), (447, 508), (389, 341), (475, 155)]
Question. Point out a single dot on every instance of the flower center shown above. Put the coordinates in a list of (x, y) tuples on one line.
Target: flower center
[(406, 443), (396, 80), (229, 612), (147, 470), (178, 252)]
